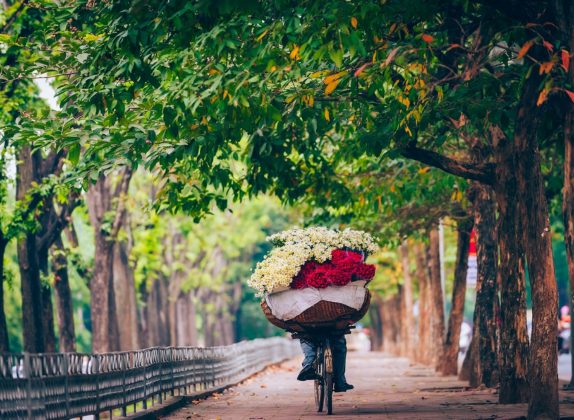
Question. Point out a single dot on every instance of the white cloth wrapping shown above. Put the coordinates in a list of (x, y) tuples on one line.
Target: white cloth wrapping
[(290, 303)]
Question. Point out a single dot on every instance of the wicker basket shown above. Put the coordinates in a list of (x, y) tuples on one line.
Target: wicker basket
[(323, 315)]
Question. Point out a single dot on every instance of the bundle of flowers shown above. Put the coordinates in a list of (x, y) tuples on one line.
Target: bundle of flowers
[(344, 267), (314, 257)]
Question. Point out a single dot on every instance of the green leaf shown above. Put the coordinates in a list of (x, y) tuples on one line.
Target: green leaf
[(74, 153)]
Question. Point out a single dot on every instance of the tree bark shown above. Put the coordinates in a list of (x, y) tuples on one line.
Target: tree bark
[(449, 361), (30, 282), (185, 321), (470, 365), (103, 306), (437, 301), (513, 337), (408, 324), (47, 306), (424, 327), (65, 309), (487, 309), (124, 292), (543, 361), (376, 332)]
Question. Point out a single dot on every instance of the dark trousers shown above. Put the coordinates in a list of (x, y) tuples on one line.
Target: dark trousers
[(339, 348)]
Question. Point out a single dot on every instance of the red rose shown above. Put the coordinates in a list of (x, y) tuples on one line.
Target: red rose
[(299, 282), (320, 278), (365, 272), (308, 268), (339, 255), (340, 277)]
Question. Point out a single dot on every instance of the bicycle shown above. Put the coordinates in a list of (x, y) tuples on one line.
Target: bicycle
[(323, 365)]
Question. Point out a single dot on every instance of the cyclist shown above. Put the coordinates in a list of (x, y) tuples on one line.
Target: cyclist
[(339, 348)]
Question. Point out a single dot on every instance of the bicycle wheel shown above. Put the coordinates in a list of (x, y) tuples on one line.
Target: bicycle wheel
[(319, 395), (319, 383), (328, 383), (329, 392)]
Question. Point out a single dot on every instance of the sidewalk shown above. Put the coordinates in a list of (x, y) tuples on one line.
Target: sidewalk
[(386, 387)]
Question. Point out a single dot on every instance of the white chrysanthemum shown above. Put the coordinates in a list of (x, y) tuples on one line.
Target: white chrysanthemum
[(297, 246)]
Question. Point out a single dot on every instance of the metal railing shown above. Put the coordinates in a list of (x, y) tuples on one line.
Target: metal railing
[(67, 385)]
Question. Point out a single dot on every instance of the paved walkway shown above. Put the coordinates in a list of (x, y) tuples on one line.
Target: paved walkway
[(385, 388)]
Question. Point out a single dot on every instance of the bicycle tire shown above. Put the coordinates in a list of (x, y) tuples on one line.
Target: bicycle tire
[(328, 382), (319, 383), (329, 392), (319, 395)]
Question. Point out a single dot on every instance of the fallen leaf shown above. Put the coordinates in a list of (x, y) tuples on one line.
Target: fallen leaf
[(428, 38)]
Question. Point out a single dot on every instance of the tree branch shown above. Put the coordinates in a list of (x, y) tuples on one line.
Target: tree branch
[(58, 222), (479, 172)]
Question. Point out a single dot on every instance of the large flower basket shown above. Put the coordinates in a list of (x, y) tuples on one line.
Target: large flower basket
[(321, 316)]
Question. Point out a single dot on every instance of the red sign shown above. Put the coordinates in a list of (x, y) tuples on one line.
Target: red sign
[(472, 248)]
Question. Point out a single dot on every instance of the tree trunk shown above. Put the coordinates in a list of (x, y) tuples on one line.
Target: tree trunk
[(65, 309), (102, 298), (47, 307), (162, 304), (143, 326), (408, 324), (390, 318), (4, 339), (125, 294), (486, 312), (543, 361), (513, 337), (437, 301), (105, 333), (449, 361), (185, 321), (31, 286), (376, 332), (424, 327), (464, 373)]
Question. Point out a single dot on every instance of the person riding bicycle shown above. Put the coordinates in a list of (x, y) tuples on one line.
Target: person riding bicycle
[(339, 348)]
